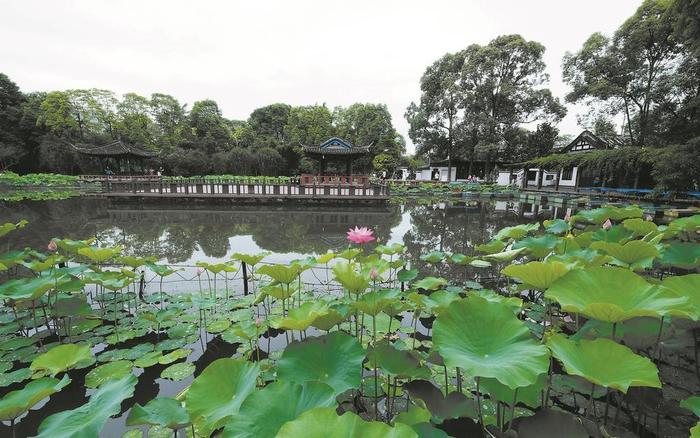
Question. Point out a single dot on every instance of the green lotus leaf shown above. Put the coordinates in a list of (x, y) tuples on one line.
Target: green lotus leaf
[(334, 359), (515, 304), (613, 294), (617, 234), (134, 262), (580, 258), (89, 419), (20, 375), (635, 253), (217, 393), (16, 403), (604, 362), (686, 286), (250, 259), (72, 246), (433, 257), (537, 275), (302, 317), (692, 404), (438, 301), (374, 302), (350, 253), (99, 255), (528, 395), (684, 255), (353, 281), (491, 247), (550, 423), (319, 422), (639, 226), (407, 274), (539, 246), (414, 415), (178, 371), (7, 227), (280, 273), (480, 263), (27, 288), (112, 370), (16, 342), (264, 412), (161, 270), (393, 249), (688, 224), (485, 339), (162, 411), (61, 358), (556, 226), (455, 405), (397, 363), (333, 317), (504, 256), (325, 258), (600, 215), (516, 232), (695, 431), (174, 355), (278, 291), (430, 283), (218, 326)]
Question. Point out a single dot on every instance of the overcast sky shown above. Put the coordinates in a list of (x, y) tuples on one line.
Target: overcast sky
[(249, 54)]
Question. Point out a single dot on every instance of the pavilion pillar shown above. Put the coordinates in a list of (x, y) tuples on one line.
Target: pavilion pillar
[(322, 166), (348, 167), (556, 181), (523, 180), (540, 171), (578, 177)]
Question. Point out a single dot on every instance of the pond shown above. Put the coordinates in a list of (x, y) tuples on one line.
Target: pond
[(181, 235)]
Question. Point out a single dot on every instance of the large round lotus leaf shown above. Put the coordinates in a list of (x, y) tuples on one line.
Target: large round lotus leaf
[(217, 393), (485, 339), (556, 226), (529, 395), (99, 255), (376, 301), (687, 224), (686, 286), (335, 359), (264, 412), (61, 358), (538, 275), (88, 419), (514, 303), (166, 412), (20, 375), (353, 281), (280, 273), (612, 294), (112, 370), (335, 315), (26, 288), (635, 254), (604, 362), (250, 259), (539, 246), (504, 256), (16, 342), (148, 359), (407, 274), (684, 255), (692, 404), (438, 301), (325, 422), (516, 232), (433, 257), (491, 247), (174, 355), (398, 363), (301, 318), (15, 403), (178, 371), (639, 226)]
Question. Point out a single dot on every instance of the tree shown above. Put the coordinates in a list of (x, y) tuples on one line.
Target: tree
[(435, 121), (209, 129), (267, 125), (134, 122), (169, 118), (11, 138), (625, 71)]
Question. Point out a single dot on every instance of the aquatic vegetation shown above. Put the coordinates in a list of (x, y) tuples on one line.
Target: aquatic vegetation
[(572, 335)]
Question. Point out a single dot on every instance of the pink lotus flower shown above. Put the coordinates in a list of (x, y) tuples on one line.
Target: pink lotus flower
[(373, 274), (607, 225), (52, 246), (360, 235)]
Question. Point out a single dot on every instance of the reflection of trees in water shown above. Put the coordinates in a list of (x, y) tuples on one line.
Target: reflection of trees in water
[(452, 229)]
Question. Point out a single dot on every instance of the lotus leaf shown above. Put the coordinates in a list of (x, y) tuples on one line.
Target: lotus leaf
[(612, 294), (556, 226), (550, 423), (438, 301), (491, 247), (539, 246), (161, 411), (112, 370), (516, 232), (325, 258), (430, 283), (375, 302), (485, 339), (171, 357), (350, 253), (604, 362), (99, 255), (414, 415), (318, 422), (148, 359), (504, 256), (217, 326), (398, 363), (686, 286), (460, 259), (249, 259), (178, 371), (61, 358), (635, 254), (302, 317), (684, 255), (88, 419), (687, 224), (639, 226), (351, 280), (528, 395), (334, 358), (455, 405), (161, 270), (692, 404), (480, 263), (407, 274), (433, 257), (27, 288), (537, 275), (264, 412), (20, 375), (217, 393), (7, 227), (280, 273), (617, 234), (514, 303), (16, 403)]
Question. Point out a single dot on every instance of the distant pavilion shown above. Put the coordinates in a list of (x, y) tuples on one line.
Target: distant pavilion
[(336, 150), (119, 157)]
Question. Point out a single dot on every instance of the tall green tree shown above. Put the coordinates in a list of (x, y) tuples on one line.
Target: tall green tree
[(11, 139)]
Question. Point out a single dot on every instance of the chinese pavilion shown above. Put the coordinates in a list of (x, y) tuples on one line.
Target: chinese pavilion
[(118, 157), (336, 150)]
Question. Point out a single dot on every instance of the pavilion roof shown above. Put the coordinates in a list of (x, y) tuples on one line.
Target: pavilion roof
[(115, 149), (335, 146)]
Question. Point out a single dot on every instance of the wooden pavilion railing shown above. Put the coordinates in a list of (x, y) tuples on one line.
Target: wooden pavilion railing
[(201, 188), (334, 180)]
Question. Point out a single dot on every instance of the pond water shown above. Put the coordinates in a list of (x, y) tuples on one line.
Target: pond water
[(182, 234)]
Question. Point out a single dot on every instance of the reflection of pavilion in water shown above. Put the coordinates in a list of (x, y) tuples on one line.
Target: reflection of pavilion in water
[(273, 228), (533, 210)]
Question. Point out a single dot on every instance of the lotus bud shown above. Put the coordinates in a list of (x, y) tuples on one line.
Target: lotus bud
[(373, 274), (607, 225), (52, 246), (199, 271)]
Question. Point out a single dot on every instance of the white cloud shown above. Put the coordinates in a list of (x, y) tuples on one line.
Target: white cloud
[(249, 54)]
